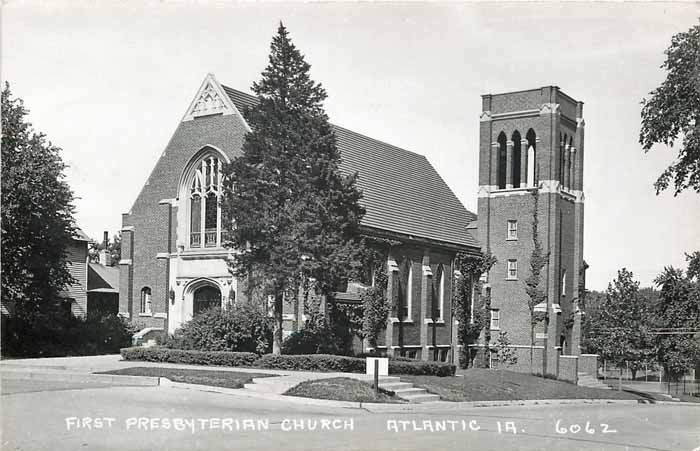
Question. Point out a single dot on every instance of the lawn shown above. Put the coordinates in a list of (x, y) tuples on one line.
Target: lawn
[(492, 385), (341, 389), (226, 379)]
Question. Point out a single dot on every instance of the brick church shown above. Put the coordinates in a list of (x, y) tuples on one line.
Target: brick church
[(174, 265)]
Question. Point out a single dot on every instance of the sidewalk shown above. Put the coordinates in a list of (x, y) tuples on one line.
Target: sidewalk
[(73, 368)]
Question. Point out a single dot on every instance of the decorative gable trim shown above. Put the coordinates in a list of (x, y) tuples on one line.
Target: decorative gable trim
[(210, 100)]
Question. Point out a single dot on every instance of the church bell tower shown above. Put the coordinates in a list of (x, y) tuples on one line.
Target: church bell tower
[(531, 171)]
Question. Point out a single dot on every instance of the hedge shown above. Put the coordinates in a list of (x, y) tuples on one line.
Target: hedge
[(312, 362), (308, 362), (218, 358)]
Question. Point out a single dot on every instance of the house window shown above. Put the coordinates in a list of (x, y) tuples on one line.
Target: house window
[(205, 193), (512, 230), (145, 301), (512, 270), (410, 354), (495, 319), (442, 355)]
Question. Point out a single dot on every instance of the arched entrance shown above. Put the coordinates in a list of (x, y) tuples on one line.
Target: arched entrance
[(205, 298)]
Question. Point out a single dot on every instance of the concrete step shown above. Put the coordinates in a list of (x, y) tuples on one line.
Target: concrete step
[(421, 398), (393, 386), (403, 392)]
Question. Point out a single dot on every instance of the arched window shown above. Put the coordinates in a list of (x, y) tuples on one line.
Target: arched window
[(515, 164), (501, 166), (145, 300), (205, 298), (563, 283), (205, 191), (562, 159), (532, 172)]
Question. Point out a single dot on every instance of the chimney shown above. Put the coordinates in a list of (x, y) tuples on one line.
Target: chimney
[(105, 257)]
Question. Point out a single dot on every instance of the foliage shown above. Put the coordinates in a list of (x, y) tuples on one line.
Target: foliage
[(504, 353), (114, 247), (342, 389), (189, 357), (538, 260), (226, 379), (333, 363), (620, 330), (471, 322), (59, 333), (678, 309), (37, 217), (315, 338), (242, 327), (674, 111), (376, 306), (313, 362), (296, 216)]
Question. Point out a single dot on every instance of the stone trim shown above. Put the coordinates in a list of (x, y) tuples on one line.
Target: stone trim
[(127, 229), (126, 261), (161, 255), (160, 315)]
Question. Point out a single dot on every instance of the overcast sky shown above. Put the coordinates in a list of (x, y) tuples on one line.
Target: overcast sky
[(109, 82)]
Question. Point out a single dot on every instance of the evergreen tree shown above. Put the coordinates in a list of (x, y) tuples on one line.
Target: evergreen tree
[(37, 215), (294, 216)]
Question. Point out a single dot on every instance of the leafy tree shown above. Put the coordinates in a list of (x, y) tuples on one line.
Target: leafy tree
[(114, 247), (37, 215), (504, 353), (674, 111), (620, 329), (678, 312), (296, 216)]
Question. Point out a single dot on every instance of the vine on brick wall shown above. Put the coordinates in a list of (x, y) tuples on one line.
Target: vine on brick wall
[(375, 304), (538, 260), (471, 323)]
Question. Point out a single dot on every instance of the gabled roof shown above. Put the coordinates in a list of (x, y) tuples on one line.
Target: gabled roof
[(104, 279), (79, 235), (402, 192)]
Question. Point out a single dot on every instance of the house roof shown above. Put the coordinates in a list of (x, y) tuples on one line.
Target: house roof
[(402, 191), (102, 279), (79, 235)]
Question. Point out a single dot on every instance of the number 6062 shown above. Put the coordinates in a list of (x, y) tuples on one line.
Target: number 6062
[(587, 428)]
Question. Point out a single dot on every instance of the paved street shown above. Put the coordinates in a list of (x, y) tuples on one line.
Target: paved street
[(34, 417)]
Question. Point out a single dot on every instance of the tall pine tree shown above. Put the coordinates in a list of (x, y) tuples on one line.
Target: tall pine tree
[(294, 216)]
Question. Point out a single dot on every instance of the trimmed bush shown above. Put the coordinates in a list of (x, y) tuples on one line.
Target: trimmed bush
[(191, 357), (312, 362), (239, 328), (415, 368), (312, 340)]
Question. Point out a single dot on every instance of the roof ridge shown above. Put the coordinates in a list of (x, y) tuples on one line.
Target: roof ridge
[(253, 98)]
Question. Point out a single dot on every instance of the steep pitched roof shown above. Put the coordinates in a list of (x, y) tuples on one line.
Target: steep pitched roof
[(402, 192), (103, 279)]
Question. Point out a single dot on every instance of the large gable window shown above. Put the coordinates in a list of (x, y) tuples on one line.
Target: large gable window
[(205, 191)]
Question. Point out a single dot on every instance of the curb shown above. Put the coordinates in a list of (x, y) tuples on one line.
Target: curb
[(408, 407), (62, 376)]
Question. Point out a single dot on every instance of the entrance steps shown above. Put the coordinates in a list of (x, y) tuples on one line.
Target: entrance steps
[(404, 390), (586, 380)]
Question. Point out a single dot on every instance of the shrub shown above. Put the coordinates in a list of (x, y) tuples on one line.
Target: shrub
[(415, 368), (62, 334), (240, 328), (191, 357), (332, 363), (312, 339)]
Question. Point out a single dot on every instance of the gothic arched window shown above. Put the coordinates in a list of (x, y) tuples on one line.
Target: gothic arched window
[(515, 163), (501, 166), (205, 191), (145, 300)]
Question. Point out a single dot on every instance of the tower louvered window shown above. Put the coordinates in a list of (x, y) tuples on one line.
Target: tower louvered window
[(205, 204)]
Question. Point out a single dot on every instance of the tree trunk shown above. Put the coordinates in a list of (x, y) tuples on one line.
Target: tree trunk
[(277, 334)]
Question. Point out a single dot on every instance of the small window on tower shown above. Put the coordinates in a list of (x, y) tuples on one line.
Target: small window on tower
[(495, 319), (512, 270), (512, 230)]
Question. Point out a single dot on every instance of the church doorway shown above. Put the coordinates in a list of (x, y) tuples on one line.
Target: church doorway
[(205, 298)]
